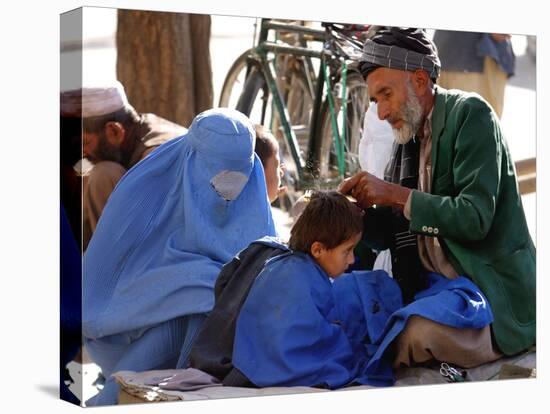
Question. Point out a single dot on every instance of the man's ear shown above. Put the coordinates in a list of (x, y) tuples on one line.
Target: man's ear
[(115, 133), (420, 80), (317, 249)]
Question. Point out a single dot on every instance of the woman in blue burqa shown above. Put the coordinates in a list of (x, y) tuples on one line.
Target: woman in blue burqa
[(172, 222)]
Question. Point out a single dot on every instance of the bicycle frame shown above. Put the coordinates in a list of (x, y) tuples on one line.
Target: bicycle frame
[(304, 167)]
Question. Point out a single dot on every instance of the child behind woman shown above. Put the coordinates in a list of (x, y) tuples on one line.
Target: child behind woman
[(267, 149)]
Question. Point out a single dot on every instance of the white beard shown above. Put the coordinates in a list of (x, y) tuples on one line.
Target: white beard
[(404, 134), (412, 117)]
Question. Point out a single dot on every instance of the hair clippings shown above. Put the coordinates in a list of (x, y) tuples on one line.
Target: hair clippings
[(307, 196)]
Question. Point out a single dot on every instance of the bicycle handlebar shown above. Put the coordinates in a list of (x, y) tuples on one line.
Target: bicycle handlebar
[(335, 36)]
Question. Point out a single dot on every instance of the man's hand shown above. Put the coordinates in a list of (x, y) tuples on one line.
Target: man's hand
[(369, 190)]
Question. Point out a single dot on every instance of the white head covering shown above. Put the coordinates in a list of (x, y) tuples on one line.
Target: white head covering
[(376, 144), (94, 100)]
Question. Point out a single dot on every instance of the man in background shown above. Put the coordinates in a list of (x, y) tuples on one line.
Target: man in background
[(476, 62), (114, 138)]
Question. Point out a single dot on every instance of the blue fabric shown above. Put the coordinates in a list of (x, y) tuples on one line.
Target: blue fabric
[(71, 304), (366, 301), (166, 231), (297, 328), (158, 348), (458, 303), (465, 51), (70, 281), (502, 52)]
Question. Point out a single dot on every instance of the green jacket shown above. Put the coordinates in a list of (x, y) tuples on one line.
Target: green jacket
[(475, 209)]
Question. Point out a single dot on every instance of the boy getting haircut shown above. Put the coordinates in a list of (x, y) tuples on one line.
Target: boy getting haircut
[(329, 218), (305, 322), (328, 230)]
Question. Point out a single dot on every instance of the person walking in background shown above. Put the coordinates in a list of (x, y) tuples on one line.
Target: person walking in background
[(476, 62)]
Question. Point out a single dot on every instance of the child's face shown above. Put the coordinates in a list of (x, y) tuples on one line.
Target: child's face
[(273, 174), (335, 261)]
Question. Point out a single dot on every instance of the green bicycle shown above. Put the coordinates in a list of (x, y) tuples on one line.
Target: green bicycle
[(302, 82)]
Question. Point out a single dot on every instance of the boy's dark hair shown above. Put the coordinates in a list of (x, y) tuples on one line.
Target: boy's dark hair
[(266, 143), (126, 116), (329, 218)]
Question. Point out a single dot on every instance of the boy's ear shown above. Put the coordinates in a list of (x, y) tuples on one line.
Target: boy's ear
[(317, 249)]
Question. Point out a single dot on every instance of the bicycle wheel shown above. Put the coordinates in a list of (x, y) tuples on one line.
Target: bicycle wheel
[(242, 93), (255, 98), (256, 102), (356, 105), (299, 103), (233, 84)]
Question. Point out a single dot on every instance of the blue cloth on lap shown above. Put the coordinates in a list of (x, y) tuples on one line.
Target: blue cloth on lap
[(296, 328), (458, 303)]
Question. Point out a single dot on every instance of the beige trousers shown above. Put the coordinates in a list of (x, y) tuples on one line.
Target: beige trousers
[(490, 84), (423, 340)]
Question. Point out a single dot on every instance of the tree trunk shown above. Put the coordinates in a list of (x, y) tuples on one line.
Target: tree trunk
[(163, 61)]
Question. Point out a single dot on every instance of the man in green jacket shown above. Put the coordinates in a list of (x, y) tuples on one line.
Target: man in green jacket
[(449, 203)]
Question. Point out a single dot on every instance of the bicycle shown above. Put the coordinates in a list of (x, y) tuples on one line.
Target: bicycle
[(303, 99)]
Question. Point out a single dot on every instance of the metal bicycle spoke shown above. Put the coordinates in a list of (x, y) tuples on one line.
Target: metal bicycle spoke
[(355, 106)]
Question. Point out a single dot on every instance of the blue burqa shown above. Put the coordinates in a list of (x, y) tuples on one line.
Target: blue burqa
[(296, 328), (171, 223)]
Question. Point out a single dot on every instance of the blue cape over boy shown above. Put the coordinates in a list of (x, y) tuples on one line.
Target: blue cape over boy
[(297, 328)]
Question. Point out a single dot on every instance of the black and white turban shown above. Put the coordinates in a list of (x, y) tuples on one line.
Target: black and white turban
[(400, 48)]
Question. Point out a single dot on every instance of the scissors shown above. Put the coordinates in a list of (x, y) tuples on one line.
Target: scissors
[(452, 374)]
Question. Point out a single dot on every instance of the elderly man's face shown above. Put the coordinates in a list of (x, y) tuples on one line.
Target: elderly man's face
[(397, 101)]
